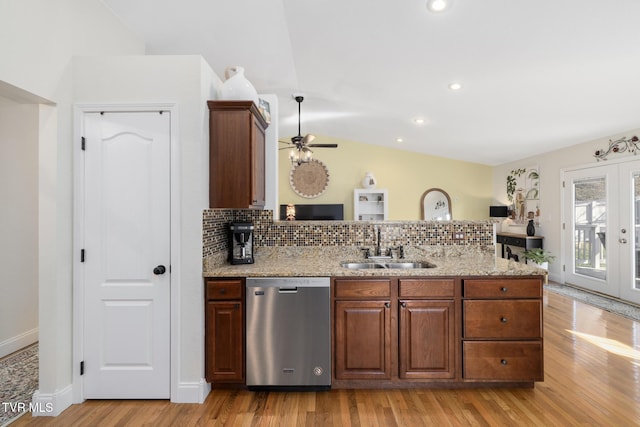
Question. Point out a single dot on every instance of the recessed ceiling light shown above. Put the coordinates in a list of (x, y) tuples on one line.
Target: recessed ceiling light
[(438, 5), (418, 121), (455, 86), (399, 140)]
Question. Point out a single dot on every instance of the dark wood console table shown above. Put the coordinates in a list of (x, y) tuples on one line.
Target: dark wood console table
[(520, 240)]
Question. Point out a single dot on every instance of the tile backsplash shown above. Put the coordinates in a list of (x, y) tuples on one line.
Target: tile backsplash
[(268, 232)]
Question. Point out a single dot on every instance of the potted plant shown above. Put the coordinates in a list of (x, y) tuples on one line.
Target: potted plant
[(538, 257)]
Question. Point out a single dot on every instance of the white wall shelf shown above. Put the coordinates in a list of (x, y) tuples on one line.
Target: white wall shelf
[(370, 204)]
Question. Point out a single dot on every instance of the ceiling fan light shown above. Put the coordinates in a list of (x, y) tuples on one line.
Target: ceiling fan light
[(438, 5)]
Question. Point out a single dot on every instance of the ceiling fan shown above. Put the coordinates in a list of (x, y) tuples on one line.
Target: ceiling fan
[(300, 152)]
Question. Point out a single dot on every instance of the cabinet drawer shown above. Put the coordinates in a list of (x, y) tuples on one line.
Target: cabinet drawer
[(513, 241), (495, 360), (500, 288), (224, 289), (358, 288), (502, 319), (430, 288)]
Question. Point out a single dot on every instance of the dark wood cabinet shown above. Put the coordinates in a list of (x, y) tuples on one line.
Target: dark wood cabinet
[(427, 346), (362, 332), (224, 331), (502, 329), (236, 155), (427, 328), (390, 329), (363, 340)]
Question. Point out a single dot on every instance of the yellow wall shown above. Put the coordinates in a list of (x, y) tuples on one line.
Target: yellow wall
[(407, 175)]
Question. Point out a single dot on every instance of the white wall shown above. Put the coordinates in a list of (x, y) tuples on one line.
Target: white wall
[(38, 39), (550, 188), (19, 225)]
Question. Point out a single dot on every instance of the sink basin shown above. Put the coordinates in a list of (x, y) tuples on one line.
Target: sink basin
[(369, 265)]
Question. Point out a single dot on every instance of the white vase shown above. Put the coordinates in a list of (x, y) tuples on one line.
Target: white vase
[(237, 87), (544, 265), (369, 181)]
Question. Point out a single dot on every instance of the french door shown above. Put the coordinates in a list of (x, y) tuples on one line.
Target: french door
[(601, 225)]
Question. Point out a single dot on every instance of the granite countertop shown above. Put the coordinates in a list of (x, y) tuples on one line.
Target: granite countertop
[(315, 261)]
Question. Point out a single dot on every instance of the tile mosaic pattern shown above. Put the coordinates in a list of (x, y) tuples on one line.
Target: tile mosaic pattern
[(339, 233)]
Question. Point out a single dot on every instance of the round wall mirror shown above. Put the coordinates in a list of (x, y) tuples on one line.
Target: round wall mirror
[(436, 205)]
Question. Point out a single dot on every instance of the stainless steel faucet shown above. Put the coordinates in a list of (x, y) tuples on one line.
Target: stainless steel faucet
[(377, 252)]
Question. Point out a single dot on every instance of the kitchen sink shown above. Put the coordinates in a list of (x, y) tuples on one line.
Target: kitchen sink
[(370, 265)]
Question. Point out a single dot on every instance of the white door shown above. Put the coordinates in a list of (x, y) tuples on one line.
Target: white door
[(126, 255), (599, 229), (627, 234)]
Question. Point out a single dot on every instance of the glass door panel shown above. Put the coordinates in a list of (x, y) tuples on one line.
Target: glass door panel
[(628, 234), (636, 229), (590, 205), (602, 229), (590, 227)]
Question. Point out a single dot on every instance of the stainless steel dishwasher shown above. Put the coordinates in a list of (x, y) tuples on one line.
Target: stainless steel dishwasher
[(288, 333)]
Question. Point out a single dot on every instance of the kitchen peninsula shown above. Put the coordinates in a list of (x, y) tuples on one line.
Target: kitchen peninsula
[(470, 320)]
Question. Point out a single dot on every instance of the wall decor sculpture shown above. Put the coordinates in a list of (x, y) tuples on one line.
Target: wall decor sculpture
[(523, 193)]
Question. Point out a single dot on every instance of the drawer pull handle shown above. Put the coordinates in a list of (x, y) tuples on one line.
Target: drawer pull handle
[(504, 289), (223, 291), (503, 319), (503, 361)]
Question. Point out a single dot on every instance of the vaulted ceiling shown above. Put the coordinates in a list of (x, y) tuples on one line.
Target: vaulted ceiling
[(535, 75)]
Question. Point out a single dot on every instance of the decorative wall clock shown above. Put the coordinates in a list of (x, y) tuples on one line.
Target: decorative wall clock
[(309, 179)]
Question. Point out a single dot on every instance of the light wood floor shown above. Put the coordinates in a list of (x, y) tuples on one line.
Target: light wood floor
[(592, 378)]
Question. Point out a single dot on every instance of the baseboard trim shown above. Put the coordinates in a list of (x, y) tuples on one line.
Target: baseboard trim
[(51, 404), (192, 392), (13, 344)]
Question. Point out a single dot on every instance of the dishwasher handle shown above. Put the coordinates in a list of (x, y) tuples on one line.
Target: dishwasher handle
[(289, 290)]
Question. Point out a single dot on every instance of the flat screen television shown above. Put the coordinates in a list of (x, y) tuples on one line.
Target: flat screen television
[(315, 212), (498, 211)]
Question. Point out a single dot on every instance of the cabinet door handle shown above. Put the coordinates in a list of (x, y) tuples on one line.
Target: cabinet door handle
[(503, 319), (503, 361), (236, 306), (387, 305), (403, 304), (504, 289)]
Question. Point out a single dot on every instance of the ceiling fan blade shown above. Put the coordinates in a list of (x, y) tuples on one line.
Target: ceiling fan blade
[(323, 145), (307, 139)]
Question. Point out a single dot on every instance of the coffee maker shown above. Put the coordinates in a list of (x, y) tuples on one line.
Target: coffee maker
[(241, 243)]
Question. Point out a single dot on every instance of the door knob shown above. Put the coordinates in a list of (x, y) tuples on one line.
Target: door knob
[(622, 240), (159, 270)]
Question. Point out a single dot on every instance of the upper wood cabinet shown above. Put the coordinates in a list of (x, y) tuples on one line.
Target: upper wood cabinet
[(236, 155)]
